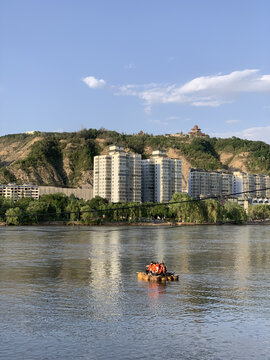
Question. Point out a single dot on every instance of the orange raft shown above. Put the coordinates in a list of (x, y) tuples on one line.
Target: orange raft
[(158, 278)]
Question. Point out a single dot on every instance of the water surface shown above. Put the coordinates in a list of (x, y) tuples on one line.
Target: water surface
[(72, 293)]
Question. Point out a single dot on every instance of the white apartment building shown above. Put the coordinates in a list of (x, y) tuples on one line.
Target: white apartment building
[(255, 186), (239, 184), (226, 183), (117, 176), (102, 176), (161, 177), (209, 183), (260, 181), (16, 192), (267, 186), (148, 180)]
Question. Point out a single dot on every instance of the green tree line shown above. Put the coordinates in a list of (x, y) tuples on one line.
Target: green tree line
[(182, 208)]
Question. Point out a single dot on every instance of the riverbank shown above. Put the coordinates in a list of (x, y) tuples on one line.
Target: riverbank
[(146, 224)]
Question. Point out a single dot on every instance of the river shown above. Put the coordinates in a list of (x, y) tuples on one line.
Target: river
[(73, 293)]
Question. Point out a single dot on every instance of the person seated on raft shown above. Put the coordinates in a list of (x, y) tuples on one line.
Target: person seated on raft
[(155, 269), (148, 268), (162, 269)]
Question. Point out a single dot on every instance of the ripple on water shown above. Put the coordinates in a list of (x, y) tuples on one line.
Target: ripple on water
[(73, 293)]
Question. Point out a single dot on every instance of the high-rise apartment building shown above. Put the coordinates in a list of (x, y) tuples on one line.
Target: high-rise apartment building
[(122, 176), (238, 184), (117, 176), (148, 180), (209, 183), (260, 181), (267, 186), (251, 185), (161, 177), (102, 176), (226, 183)]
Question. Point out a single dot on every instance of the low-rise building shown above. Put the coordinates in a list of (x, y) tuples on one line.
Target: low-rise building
[(16, 192)]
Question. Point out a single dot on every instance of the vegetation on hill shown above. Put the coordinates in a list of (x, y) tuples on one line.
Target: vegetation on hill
[(66, 159)]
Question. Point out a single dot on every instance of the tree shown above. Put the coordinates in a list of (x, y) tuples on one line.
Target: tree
[(23, 203), (56, 203), (5, 204), (73, 208), (235, 212), (97, 202), (198, 212), (87, 215), (214, 210), (160, 211), (14, 216), (256, 212), (183, 210), (39, 211)]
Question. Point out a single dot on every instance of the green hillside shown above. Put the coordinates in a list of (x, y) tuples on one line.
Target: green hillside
[(67, 158)]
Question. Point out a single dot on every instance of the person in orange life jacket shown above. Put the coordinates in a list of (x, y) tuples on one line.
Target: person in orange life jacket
[(155, 269), (152, 268), (148, 268), (162, 269)]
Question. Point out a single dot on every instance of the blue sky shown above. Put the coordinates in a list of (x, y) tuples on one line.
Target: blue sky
[(152, 65)]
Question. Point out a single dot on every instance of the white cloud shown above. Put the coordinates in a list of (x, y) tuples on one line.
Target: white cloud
[(93, 82), (210, 103), (261, 133), (237, 81), (211, 91)]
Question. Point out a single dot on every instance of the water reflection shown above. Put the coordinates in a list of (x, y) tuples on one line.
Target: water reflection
[(106, 276), (76, 289)]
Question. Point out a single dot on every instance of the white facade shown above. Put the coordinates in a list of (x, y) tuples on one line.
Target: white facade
[(161, 177), (198, 183), (238, 184), (260, 181), (117, 176), (252, 185), (226, 184), (17, 192), (148, 180), (102, 176), (209, 183)]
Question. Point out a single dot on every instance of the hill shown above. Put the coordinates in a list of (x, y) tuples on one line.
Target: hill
[(66, 159)]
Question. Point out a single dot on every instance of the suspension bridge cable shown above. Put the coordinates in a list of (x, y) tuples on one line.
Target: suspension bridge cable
[(139, 206)]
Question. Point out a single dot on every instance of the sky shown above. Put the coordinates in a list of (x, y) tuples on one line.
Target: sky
[(130, 65)]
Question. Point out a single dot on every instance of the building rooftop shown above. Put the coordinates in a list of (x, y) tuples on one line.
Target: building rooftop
[(196, 131)]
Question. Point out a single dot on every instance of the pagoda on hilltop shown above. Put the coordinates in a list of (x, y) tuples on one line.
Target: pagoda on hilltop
[(196, 131)]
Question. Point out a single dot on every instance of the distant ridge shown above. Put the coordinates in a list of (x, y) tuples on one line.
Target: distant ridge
[(66, 159)]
